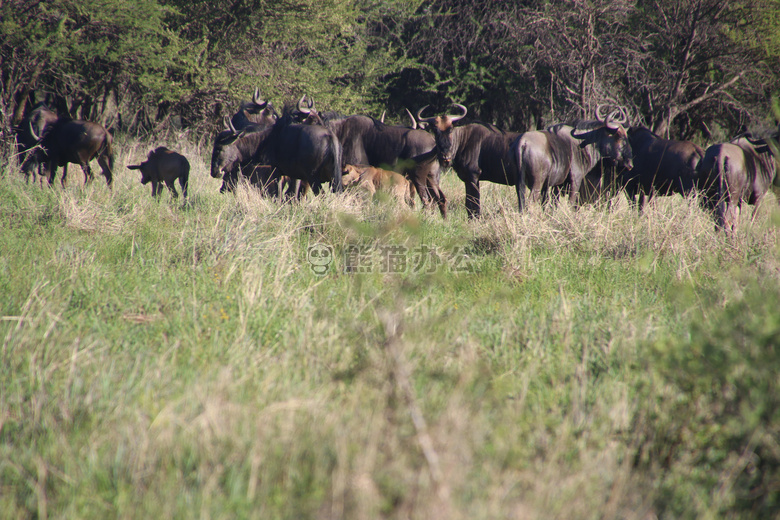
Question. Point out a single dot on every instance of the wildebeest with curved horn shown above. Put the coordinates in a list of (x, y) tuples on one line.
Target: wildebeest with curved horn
[(310, 153), (733, 172), (74, 141), (365, 140), (164, 165), (36, 121), (661, 166), (563, 154), (258, 111), (477, 152), (234, 154), (259, 114)]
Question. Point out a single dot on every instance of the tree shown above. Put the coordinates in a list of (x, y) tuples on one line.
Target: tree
[(90, 54), (336, 51), (697, 54)]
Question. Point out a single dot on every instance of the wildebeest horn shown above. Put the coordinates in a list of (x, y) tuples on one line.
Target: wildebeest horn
[(757, 141), (428, 120), (382, 117), (32, 132), (599, 115), (231, 127), (610, 121), (257, 100), (414, 121), (306, 106), (584, 135), (623, 115), (458, 118)]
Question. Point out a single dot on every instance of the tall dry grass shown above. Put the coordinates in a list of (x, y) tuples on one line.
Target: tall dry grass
[(162, 359)]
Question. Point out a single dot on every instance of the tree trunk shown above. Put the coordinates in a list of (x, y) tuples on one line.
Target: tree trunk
[(663, 126)]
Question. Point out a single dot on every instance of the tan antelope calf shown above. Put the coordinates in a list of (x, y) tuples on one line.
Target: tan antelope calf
[(372, 179)]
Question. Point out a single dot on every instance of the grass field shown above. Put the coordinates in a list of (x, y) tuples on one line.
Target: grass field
[(163, 361)]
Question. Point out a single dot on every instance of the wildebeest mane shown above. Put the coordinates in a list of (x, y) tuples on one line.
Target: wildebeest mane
[(559, 148), (489, 126), (578, 124), (753, 163), (331, 115)]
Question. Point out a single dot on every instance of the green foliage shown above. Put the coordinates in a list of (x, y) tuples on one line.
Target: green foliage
[(716, 418), (87, 48), (329, 50), (521, 65)]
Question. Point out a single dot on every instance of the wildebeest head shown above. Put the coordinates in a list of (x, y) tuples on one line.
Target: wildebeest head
[(39, 119), (224, 155), (39, 122), (258, 111), (442, 127), (609, 136), (307, 113), (147, 167), (35, 125)]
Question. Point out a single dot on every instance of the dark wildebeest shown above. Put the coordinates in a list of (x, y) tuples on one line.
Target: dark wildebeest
[(365, 140), (234, 150), (164, 165), (661, 166), (477, 151), (259, 114), (310, 153), (733, 172), (234, 153), (37, 121), (563, 154), (74, 141)]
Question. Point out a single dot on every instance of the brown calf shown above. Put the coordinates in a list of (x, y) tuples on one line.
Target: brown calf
[(164, 165), (372, 179)]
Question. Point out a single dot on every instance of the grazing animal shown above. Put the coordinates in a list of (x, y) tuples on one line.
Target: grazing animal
[(258, 114), (661, 166), (563, 154), (66, 140), (233, 154), (310, 153), (374, 179), (164, 165), (476, 151), (365, 140), (733, 172), (37, 121)]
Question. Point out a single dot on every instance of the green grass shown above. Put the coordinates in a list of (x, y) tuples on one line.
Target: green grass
[(169, 361)]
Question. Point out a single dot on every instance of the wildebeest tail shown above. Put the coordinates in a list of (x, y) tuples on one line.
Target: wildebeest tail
[(184, 178), (522, 172), (335, 166), (108, 150), (721, 170), (105, 152)]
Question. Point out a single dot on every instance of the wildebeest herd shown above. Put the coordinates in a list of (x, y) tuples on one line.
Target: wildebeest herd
[(302, 149)]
